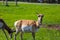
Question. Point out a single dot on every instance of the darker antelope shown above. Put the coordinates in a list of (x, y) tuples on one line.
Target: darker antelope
[(28, 26), (3, 26)]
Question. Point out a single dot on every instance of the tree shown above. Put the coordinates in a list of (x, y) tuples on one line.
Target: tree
[(3, 2), (6, 2), (16, 2)]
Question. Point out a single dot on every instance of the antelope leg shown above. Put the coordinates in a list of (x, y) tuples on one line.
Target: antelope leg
[(21, 35), (33, 34), (5, 34), (15, 35)]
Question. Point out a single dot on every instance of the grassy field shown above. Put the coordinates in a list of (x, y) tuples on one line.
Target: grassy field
[(28, 11)]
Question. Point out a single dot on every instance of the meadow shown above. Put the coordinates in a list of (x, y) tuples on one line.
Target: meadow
[(51, 13)]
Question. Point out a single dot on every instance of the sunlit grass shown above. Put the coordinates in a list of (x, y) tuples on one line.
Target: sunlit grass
[(28, 11)]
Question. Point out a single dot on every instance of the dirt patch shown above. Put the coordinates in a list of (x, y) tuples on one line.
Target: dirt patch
[(57, 27), (52, 26)]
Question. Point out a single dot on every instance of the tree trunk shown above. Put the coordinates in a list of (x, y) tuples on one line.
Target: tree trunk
[(3, 2), (6, 2), (16, 2)]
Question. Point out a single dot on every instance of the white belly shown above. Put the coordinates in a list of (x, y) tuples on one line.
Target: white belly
[(27, 28), (1, 24)]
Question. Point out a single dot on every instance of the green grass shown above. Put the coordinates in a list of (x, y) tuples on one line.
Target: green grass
[(28, 11)]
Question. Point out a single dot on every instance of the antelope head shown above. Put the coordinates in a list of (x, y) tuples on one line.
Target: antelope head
[(39, 21), (3, 26)]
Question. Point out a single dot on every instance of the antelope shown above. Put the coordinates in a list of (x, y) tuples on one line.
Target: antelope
[(3, 26), (28, 26)]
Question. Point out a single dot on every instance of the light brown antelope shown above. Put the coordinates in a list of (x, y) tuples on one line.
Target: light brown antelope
[(3, 26), (28, 26)]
